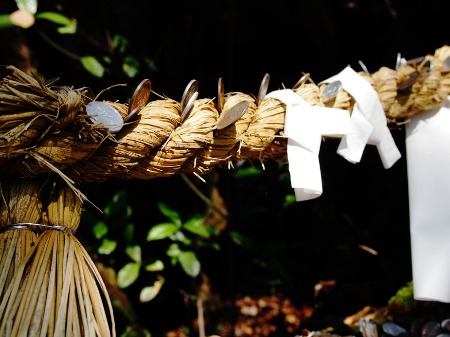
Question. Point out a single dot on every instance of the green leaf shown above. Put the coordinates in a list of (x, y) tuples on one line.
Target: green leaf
[(170, 213), (107, 246), (149, 293), (158, 265), (100, 230), (29, 5), (70, 29), (151, 64), (173, 251), (128, 233), (55, 18), (161, 231), (247, 172), (5, 22), (128, 274), (242, 240), (92, 65), (120, 43), (190, 263), (68, 26), (289, 200), (197, 226), (215, 246), (179, 236), (130, 66), (135, 253), (129, 211), (117, 203)]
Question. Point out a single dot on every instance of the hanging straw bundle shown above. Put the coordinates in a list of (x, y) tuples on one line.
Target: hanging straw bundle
[(15, 245), (52, 287)]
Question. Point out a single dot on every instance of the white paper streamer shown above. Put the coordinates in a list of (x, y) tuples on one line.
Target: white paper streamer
[(368, 121), (304, 127), (428, 165)]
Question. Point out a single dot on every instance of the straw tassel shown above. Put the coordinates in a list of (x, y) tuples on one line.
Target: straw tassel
[(54, 288)]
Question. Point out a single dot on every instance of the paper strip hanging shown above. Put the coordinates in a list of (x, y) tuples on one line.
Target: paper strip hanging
[(368, 121), (304, 126), (428, 167)]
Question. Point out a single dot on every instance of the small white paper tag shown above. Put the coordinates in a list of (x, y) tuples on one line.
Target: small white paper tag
[(368, 121), (304, 126)]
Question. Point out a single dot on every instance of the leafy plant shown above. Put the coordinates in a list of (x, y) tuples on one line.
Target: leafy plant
[(182, 249), (115, 229), (26, 15), (403, 298)]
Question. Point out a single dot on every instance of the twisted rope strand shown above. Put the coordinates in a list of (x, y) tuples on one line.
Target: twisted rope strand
[(41, 125)]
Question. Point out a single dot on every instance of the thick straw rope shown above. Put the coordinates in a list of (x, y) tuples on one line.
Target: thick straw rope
[(45, 129)]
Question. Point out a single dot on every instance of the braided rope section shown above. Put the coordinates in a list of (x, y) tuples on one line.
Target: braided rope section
[(45, 128)]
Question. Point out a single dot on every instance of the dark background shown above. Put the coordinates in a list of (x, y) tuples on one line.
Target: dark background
[(241, 41)]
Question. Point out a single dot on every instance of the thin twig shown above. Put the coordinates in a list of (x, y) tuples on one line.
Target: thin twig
[(208, 201), (201, 318)]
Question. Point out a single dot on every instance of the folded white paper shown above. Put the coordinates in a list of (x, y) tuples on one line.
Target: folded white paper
[(428, 166), (368, 121), (304, 127)]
